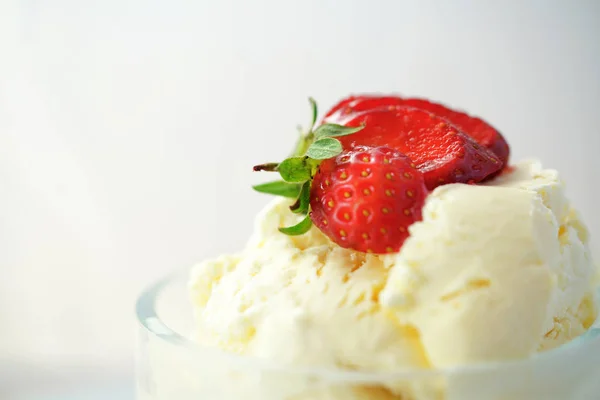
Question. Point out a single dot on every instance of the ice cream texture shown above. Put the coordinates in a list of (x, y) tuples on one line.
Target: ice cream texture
[(492, 272)]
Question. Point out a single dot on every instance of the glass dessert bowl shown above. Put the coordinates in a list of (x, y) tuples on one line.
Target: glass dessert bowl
[(170, 365)]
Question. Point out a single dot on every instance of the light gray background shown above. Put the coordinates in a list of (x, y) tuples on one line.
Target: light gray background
[(128, 129)]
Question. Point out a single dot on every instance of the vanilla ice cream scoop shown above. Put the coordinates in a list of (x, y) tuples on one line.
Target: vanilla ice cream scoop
[(301, 300), (492, 272)]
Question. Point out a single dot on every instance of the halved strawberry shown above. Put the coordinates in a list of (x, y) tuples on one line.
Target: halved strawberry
[(481, 131), (439, 150)]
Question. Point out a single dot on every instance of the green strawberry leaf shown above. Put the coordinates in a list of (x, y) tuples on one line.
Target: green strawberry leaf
[(315, 112), (302, 204), (280, 188), (335, 130), (324, 148), (294, 169), (312, 147), (299, 229)]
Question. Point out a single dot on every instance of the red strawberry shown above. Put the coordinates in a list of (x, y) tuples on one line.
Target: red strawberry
[(364, 184), (481, 131), (366, 198), (440, 151)]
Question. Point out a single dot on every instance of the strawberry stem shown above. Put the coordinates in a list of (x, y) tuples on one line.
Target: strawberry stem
[(303, 144), (270, 167)]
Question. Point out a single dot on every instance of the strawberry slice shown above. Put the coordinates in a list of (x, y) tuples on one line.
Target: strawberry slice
[(481, 131), (443, 153)]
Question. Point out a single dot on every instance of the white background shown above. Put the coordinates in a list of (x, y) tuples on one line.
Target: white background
[(128, 130)]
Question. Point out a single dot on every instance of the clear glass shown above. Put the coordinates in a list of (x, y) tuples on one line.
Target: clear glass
[(172, 367)]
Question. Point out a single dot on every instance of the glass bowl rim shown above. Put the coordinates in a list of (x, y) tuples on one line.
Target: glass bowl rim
[(148, 319)]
